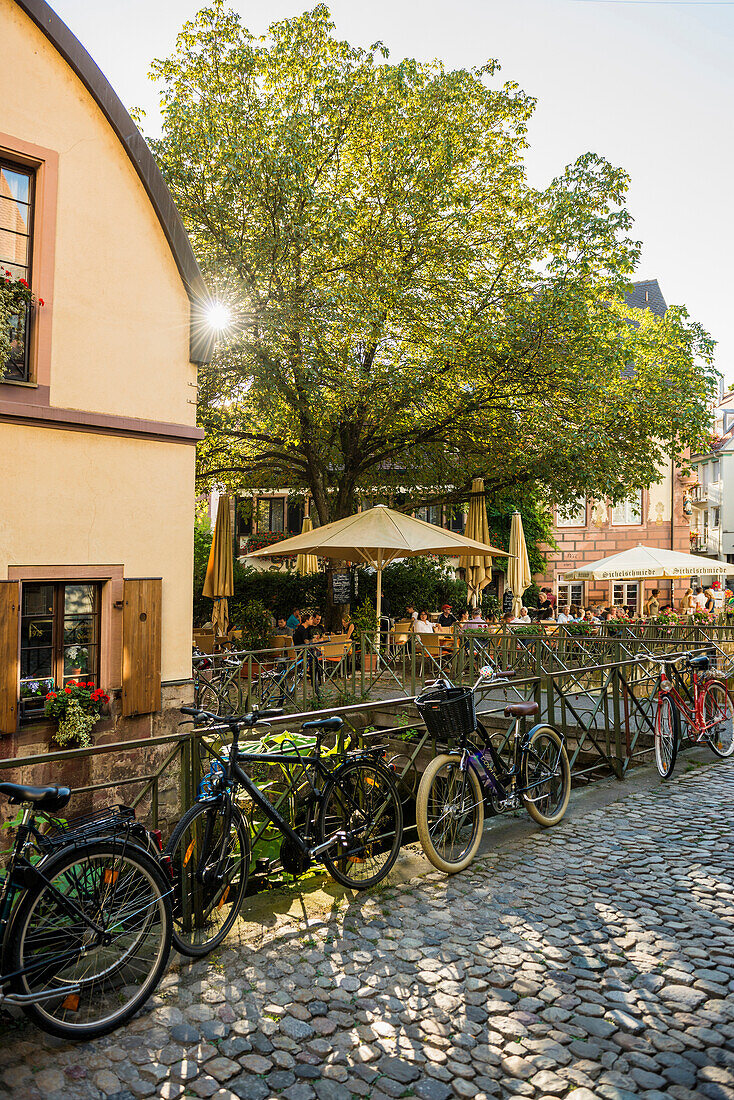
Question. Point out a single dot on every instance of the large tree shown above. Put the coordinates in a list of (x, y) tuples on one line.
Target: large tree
[(408, 312)]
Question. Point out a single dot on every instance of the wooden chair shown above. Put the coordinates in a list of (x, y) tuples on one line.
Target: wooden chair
[(334, 655), (204, 640), (399, 636)]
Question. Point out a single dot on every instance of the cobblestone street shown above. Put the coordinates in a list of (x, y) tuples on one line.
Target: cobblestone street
[(595, 960)]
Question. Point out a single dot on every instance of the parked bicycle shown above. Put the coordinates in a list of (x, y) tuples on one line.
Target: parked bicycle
[(85, 916), (450, 806), (351, 821), (708, 713), (217, 687)]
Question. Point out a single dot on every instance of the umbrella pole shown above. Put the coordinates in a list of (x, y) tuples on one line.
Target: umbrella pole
[(379, 596)]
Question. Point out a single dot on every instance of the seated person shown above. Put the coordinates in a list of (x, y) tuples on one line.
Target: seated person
[(347, 626), (281, 626), (410, 612), (447, 618), (523, 617), (294, 620), (422, 625), (300, 634), (316, 631), (545, 608), (563, 616)]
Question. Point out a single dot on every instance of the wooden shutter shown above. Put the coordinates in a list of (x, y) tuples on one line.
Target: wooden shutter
[(141, 646), (9, 654)]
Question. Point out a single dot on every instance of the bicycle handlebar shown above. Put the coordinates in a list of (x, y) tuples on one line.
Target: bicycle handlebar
[(234, 721)]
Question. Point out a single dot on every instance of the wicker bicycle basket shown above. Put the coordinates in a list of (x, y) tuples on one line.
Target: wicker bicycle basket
[(448, 712)]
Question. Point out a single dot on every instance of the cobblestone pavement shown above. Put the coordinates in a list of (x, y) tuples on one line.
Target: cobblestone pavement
[(595, 960)]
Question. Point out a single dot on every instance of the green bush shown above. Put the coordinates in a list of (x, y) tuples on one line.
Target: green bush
[(422, 582)]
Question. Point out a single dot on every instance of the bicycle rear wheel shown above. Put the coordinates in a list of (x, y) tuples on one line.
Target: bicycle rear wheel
[(547, 772), (361, 799), (92, 982), (667, 733), (449, 813), (210, 875), (719, 717)]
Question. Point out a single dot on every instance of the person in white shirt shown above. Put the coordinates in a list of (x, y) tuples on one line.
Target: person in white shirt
[(699, 600), (411, 612), (422, 625), (523, 617), (563, 616)]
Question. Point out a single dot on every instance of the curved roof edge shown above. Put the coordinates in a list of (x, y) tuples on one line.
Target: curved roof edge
[(70, 48)]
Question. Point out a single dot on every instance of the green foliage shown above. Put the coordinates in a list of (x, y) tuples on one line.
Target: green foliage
[(203, 535), (253, 619), (408, 311), (422, 582), (364, 618), (537, 524)]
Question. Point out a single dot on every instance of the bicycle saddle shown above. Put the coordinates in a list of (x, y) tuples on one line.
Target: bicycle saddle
[(334, 723), (700, 662), (521, 710), (44, 798)]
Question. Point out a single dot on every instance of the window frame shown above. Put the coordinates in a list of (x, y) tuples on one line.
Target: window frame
[(626, 585), (624, 503), (58, 645), (564, 526), (567, 601), (31, 173)]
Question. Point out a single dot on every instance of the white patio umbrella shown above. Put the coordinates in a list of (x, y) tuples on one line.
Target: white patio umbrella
[(377, 537), (519, 576), (647, 561), (479, 566)]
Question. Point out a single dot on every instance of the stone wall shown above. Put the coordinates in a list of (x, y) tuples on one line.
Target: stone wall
[(109, 767)]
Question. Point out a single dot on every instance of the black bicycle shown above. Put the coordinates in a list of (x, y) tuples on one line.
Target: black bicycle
[(85, 916), (350, 820), (534, 772)]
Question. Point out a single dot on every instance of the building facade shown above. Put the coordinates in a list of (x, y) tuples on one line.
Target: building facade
[(97, 404), (712, 492), (595, 528)]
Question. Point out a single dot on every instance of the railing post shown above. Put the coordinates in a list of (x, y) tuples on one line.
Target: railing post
[(412, 663), (363, 661), (618, 764), (538, 687)]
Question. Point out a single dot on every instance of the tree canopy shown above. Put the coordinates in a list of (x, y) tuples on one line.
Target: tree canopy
[(408, 312)]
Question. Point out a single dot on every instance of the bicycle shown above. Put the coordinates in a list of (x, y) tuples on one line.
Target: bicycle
[(85, 916), (709, 719), (352, 824), (453, 788), (217, 689)]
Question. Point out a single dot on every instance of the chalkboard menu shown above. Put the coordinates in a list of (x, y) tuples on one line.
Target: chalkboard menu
[(507, 602), (341, 587)]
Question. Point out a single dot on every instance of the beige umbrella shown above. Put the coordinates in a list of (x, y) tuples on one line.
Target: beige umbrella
[(377, 537), (648, 561), (518, 569), (307, 563), (218, 583), (478, 566)]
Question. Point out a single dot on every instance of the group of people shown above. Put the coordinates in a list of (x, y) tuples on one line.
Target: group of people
[(307, 627)]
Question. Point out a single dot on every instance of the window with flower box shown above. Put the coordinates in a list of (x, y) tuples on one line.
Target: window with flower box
[(59, 639), (16, 245)]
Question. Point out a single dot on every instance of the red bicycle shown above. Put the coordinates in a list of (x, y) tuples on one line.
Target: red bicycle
[(709, 720)]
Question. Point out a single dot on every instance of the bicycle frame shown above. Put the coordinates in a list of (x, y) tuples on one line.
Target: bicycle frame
[(501, 779), (694, 716)]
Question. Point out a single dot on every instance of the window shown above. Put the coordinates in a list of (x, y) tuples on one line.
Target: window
[(704, 475), (59, 639), (716, 517), (628, 512), (271, 514), (16, 242), (430, 513), (572, 515), (715, 470), (728, 422), (626, 594), (456, 518), (570, 595)]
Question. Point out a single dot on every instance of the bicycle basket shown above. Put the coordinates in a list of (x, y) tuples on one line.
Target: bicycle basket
[(109, 821), (448, 712)]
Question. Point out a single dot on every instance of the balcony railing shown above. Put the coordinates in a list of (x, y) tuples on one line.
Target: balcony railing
[(707, 495)]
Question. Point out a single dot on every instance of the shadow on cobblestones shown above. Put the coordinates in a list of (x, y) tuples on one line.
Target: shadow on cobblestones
[(594, 960)]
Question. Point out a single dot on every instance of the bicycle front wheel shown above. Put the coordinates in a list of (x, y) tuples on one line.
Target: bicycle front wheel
[(95, 955), (362, 801), (667, 732), (719, 718), (210, 857), (449, 813), (546, 775)]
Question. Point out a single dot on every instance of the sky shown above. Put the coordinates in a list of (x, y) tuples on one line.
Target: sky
[(649, 84)]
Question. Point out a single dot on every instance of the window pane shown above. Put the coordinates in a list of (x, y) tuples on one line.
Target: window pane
[(15, 183), (628, 512), (277, 514), (572, 515), (38, 599), (36, 662), (36, 633), (79, 599)]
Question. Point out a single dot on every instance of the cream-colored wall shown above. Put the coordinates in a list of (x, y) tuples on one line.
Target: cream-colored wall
[(68, 498), (119, 310)]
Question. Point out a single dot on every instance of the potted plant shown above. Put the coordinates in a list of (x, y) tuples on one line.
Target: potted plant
[(364, 618), (77, 708)]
